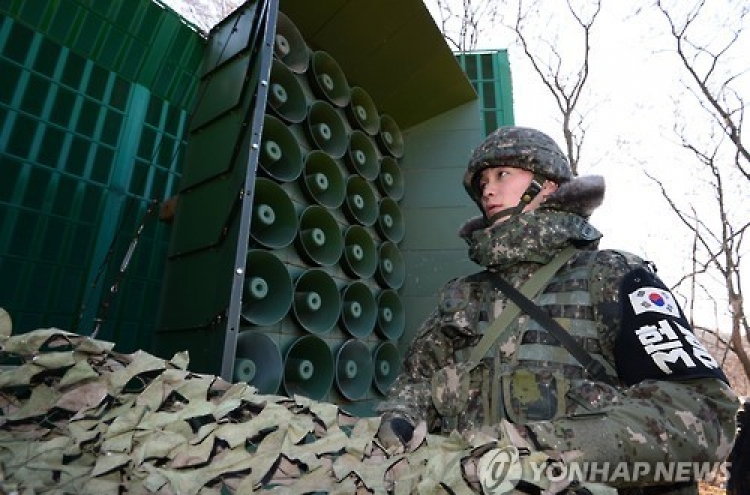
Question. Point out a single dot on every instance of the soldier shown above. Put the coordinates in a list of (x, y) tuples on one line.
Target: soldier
[(636, 391)]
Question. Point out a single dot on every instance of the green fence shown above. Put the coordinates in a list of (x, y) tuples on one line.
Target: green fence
[(94, 106)]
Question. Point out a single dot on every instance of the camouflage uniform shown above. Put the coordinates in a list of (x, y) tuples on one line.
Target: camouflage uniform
[(646, 413)]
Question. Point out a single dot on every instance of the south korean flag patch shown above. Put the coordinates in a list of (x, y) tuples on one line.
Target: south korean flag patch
[(655, 340), (654, 299)]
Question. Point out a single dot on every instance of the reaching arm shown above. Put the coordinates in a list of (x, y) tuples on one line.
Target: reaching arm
[(450, 327), (410, 397)]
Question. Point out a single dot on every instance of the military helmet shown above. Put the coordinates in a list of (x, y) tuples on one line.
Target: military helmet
[(518, 147)]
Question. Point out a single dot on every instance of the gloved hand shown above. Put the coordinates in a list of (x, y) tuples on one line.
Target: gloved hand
[(506, 459), (395, 432)]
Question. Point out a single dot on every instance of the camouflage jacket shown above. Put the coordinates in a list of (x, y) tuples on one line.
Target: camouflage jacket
[(639, 418)]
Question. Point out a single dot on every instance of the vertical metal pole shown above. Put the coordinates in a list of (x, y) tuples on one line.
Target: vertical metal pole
[(265, 58)]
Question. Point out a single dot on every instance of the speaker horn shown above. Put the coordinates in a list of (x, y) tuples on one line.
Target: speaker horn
[(327, 129), (389, 138), (289, 45), (360, 258), (280, 155), (323, 181), (391, 316), (359, 310), (319, 240), (327, 80), (286, 98), (267, 291), (317, 302), (308, 368), (354, 371), (391, 270), (258, 362), (390, 224), (362, 113), (274, 221), (362, 155), (386, 365), (360, 204), (390, 181)]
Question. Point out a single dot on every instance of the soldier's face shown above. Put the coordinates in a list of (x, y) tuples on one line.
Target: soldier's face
[(502, 188)]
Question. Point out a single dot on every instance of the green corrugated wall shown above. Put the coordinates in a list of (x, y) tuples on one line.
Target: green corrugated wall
[(94, 103)]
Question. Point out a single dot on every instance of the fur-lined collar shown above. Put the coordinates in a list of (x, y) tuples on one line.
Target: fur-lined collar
[(582, 196)]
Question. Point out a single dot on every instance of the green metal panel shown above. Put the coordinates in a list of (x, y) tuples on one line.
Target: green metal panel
[(294, 297), (202, 260), (489, 73), (139, 40), (387, 41), (94, 104), (436, 205)]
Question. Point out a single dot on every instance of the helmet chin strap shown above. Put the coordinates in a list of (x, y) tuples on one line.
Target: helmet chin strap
[(527, 197)]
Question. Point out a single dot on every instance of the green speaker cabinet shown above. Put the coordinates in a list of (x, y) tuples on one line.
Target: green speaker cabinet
[(322, 173)]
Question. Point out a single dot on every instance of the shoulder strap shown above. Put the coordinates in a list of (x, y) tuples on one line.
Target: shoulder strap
[(511, 311), (590, 364)]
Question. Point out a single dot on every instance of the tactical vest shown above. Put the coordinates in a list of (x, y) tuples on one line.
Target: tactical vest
[(527, 373)]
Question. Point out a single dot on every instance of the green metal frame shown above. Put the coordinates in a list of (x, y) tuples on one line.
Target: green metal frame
[(204, 273)]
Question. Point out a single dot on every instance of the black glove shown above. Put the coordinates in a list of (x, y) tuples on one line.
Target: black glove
[(395, 432)]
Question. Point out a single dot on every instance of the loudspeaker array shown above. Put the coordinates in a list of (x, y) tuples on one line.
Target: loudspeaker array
[(322, 313)]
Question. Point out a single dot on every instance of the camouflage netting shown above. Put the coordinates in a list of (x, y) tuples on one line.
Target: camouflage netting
[(78, 417)]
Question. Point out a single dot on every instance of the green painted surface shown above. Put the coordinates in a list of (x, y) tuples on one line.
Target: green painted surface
[(489, 73), (137, 39), (94, 103), (436, 205)]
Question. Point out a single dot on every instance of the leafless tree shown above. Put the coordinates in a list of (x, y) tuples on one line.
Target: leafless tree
[(463, 21), (707, 55), (565, 76), (535, 27)]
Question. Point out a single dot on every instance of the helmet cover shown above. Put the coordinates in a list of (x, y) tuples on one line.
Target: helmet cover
[(517, 147)]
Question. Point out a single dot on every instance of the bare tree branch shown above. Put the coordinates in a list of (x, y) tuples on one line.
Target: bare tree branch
[(469, 15), (718, 249), (566, 88), (729, 119)]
